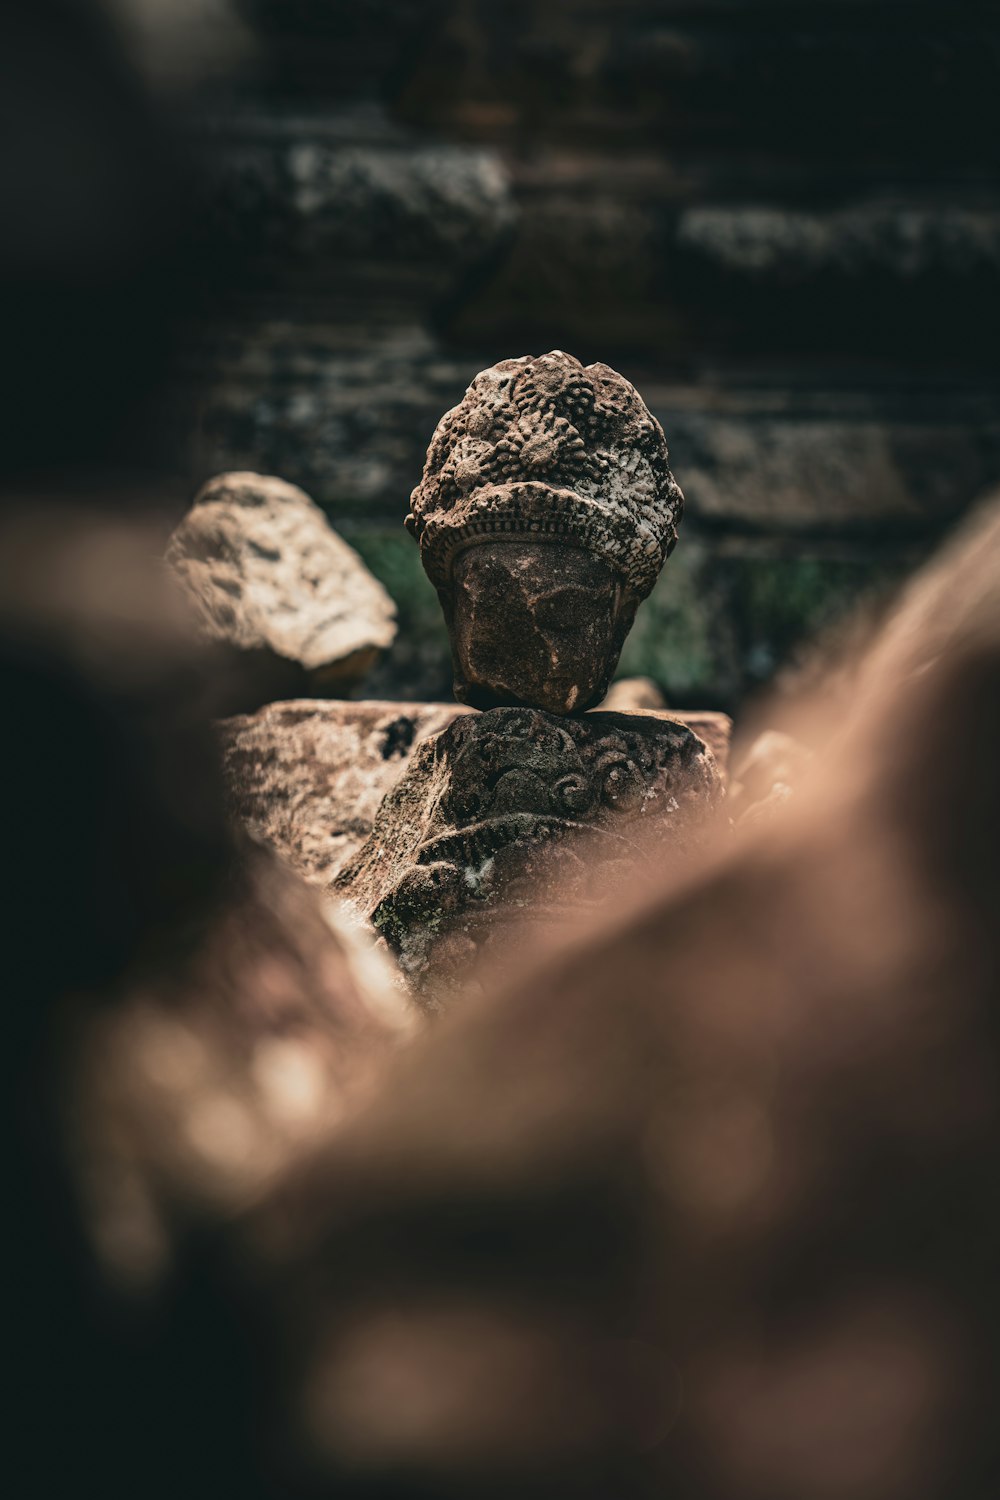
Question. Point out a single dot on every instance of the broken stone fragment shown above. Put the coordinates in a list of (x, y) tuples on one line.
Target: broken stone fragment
[(544, 515), (270, 578), (514, 816), (708, 724)]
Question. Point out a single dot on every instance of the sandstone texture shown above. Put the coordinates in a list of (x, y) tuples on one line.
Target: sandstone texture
[(514, 816), (709, 725), (533, 625), (307, 777), (544, 515), (268, 575)]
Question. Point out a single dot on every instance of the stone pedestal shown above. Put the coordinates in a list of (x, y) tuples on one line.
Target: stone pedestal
[(308, 776), (515, 816)]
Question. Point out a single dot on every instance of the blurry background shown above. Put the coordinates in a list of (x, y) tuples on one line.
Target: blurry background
[(779, 218)]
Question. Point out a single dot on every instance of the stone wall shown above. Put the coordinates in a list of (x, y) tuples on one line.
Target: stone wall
[(780, 220)]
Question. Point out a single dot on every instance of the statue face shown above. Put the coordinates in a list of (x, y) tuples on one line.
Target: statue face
[(535, 624)]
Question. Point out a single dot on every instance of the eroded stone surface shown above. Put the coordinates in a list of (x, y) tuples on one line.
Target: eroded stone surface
[(516, 814), (307, 777), (545, 513), (269, 575), (708, 724)]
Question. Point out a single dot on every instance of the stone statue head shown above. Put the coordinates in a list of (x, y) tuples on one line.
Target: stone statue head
[(545, 513)]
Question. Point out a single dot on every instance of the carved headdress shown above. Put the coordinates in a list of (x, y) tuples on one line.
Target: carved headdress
[(550, 447)]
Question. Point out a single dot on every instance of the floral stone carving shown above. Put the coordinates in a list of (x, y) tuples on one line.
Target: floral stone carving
[(546, 510), (516, 814)]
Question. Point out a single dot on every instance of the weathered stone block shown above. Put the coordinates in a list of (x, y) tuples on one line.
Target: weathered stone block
[(517, 816), (353, 204), (307, 777), (269, 576)]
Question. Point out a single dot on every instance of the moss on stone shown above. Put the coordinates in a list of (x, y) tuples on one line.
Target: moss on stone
[(724, 618)]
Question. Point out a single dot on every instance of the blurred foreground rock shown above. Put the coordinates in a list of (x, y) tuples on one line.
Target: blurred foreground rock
[(767, 772), (185, 1014), (270, 578), (116, 823), (702, 1207), (195, 1089)]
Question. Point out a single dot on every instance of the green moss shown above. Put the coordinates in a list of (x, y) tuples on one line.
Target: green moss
[(681, 636), (419, 664), (779, 604), (722, 619), (395, 560), (788, 597)]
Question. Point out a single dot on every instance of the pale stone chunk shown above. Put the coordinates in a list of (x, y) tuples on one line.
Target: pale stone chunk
[(268, 574)]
